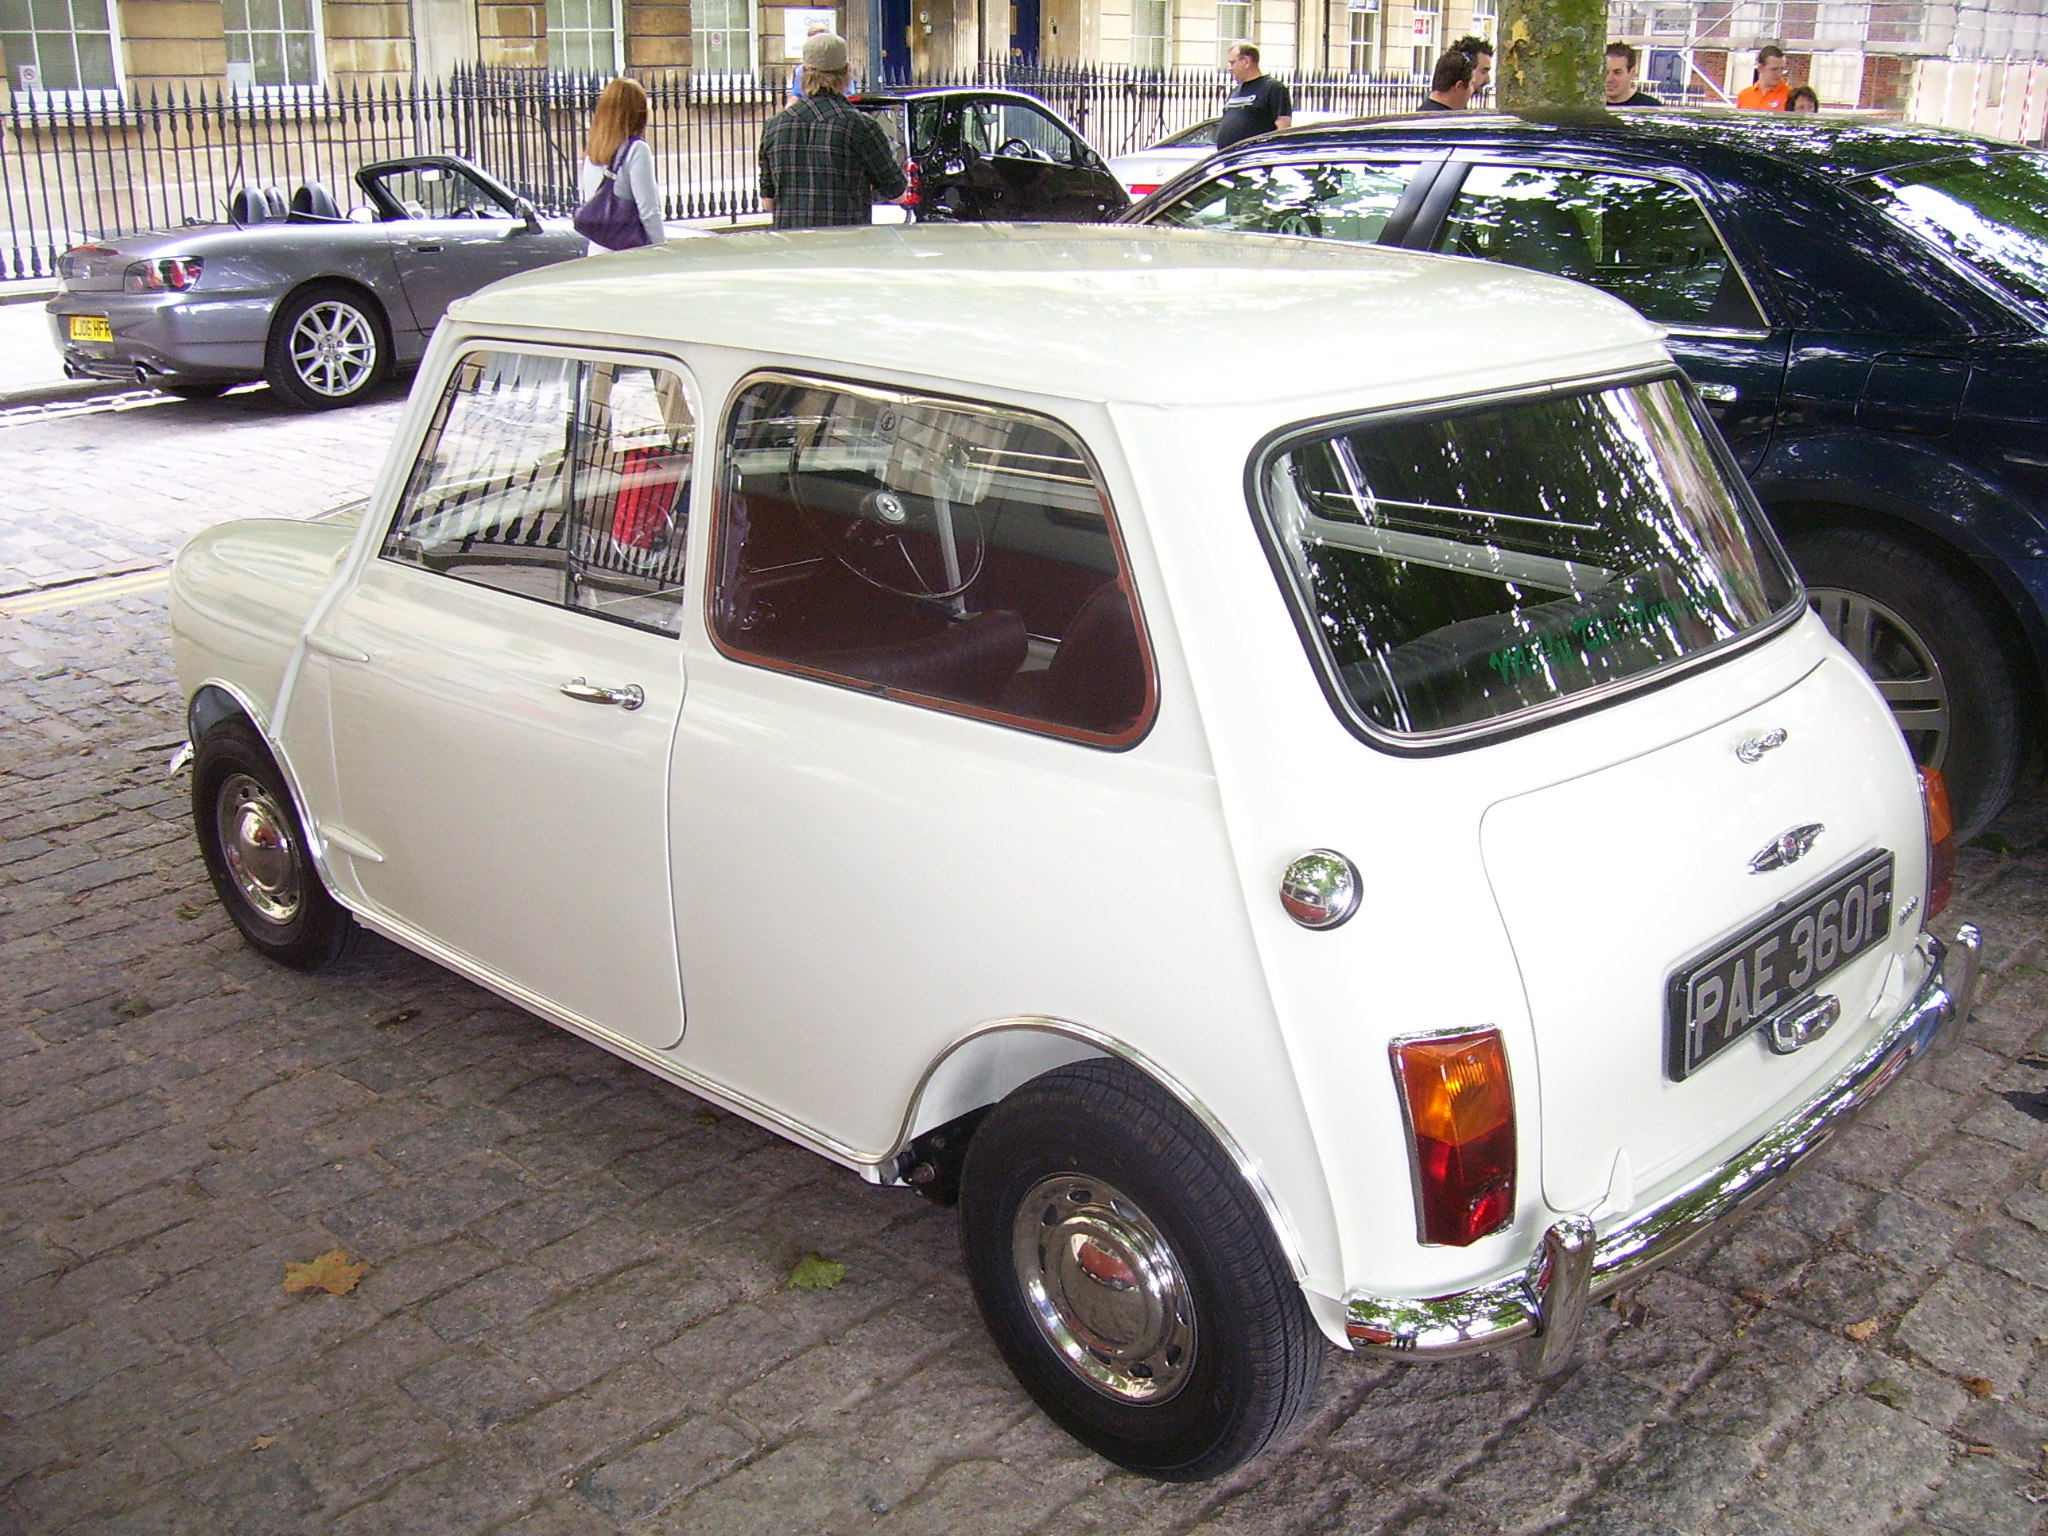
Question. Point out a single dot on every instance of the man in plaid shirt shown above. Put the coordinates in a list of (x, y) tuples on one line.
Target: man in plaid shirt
[(823, 162)]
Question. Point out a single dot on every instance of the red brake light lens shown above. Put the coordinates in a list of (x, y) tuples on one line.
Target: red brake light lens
[(162, 274), (1145, 189), (913, 184), (1461, 1126), (1941, 842)]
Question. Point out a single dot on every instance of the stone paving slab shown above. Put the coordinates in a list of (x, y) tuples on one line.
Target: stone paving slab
[(575, 1319)]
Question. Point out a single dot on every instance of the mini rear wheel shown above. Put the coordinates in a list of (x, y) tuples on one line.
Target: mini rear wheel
[(257, 855), (1129, 1276)]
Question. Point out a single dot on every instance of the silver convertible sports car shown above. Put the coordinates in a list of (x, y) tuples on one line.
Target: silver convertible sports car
[(320, 303)]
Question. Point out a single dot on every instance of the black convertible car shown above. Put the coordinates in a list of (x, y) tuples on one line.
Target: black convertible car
[(1863, 307)]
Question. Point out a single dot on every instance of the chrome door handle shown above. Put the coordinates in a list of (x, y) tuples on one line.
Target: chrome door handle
[(1720, 394), (628, 697)]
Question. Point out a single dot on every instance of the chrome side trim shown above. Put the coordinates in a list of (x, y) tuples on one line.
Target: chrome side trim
[(1516, 1307)]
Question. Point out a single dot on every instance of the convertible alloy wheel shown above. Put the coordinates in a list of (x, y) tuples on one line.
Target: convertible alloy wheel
[(257, 854), (328, 347)]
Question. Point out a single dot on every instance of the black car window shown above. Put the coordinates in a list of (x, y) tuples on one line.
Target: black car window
[(1327, 201), (564, 480), (1017, 131), (1989, 209), (440, 192), (1646, 242)]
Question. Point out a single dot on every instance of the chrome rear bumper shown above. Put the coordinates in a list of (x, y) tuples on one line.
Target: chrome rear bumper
[(1543, 1305)]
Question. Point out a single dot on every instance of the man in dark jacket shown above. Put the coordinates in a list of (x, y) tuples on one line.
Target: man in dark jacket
[(1257, 103), (824, 162)]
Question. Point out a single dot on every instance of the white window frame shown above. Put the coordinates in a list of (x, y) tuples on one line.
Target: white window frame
[(1362, 55), (1225, 36), (251, 89), (1426, 54), (752, 32), (1163, 39), (39, 98), (616, 31)]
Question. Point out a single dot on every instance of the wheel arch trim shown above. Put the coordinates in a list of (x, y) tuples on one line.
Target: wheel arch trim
[(216, 700), (988, 1055)]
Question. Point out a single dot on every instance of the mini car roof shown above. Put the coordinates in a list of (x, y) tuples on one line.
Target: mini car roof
[(1097, 312), (1828, 145)]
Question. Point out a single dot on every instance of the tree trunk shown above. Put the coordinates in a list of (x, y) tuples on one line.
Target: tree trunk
[(1552, 54)]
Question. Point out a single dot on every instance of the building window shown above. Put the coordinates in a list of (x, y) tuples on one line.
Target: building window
[(1363, 58), (723, 32), (1151, 37), (1426, 21), (58, 46), (583, 37), (270, 43), (1233, 25)]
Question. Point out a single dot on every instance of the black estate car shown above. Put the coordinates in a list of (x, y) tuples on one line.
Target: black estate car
[(1863, 307), (975, 154)]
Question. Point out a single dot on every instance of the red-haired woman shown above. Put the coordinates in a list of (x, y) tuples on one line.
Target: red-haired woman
[(618, 148)]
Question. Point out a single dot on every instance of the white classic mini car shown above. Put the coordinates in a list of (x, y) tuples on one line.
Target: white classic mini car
[(1305, 826)]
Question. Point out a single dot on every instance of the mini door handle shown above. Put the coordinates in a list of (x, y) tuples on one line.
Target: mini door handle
[(1720, 394), (340, 650), (628, 697)]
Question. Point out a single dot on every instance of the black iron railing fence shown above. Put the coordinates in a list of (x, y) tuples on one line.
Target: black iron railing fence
[(70, 173)]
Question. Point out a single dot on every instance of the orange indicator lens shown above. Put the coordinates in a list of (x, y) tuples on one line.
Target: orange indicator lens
[(1941, 842), (1461, 1121)]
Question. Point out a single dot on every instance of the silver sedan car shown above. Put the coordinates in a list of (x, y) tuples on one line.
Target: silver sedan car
[(320, 303)]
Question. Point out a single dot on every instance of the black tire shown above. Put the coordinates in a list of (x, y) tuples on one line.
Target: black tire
[(329, 346), (1190, 1348), (1935, 654), (196, 391), (257, 856)]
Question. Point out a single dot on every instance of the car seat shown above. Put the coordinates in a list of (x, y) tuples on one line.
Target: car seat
[(313, 204), (249, 205)]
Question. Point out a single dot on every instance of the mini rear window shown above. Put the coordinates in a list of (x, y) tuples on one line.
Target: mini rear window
[(1463, 567)]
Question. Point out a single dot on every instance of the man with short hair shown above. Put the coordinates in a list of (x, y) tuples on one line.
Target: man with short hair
[(1770, 89), (1622, 90), (1480, 52), (822, 161), (1450, 86), (1256, 104)]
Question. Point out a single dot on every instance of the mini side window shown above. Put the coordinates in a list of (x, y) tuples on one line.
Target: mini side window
[(950, 553), (564, 480), (1646, 242), (1324, 201)]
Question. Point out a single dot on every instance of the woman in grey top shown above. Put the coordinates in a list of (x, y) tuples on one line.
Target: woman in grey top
[(620, 121)]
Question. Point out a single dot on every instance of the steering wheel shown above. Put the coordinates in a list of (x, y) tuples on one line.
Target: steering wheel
[(896, 540), (1294, 222), (1017, 147)]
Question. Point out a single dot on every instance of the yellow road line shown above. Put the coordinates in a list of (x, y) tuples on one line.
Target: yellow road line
[(56, 599)]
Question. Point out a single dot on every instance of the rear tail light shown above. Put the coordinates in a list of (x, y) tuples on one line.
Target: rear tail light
[(161, 274), (913, 184), (1144, 189), (1941, 842), (1460, 1108)]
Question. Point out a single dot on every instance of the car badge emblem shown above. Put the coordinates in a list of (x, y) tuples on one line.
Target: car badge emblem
[(1786, 848), (1753, 750)]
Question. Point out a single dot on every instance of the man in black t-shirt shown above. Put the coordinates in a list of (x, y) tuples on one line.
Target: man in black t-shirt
[(1256, 104), (1450, 86), (1622, 90)]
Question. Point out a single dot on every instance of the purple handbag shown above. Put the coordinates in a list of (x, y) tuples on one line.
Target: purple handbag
[(606, 218)]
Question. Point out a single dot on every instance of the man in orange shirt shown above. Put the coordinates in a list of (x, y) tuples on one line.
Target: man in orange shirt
[(1770, 90)]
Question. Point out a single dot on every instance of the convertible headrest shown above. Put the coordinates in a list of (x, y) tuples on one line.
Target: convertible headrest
[(313, 203)]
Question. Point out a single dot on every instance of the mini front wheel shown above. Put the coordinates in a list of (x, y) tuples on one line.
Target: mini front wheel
[(257, 855), (1130, 1277)]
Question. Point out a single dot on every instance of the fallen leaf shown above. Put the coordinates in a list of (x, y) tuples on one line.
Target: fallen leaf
[(331, 1272), (1888, 1392), (1756, 1298), (186, 911), (134, 1008), (1862, 1331), (262, 1442), (706, 1117), (1983, 1450), (815, 1274), (1979, 1386), (404, 1015)]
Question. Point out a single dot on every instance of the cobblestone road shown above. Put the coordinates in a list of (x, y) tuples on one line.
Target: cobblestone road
[(575, 1320)]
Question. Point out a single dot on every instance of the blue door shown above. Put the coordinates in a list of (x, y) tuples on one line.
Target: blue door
[(1023, 31), (892, 33)]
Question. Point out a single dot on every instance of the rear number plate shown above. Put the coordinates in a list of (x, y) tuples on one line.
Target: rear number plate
[(91, 328), (1773, 963)]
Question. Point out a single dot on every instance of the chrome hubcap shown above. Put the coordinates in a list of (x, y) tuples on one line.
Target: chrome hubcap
[(256, 841), (334, 348), (1898, 661), (1104, 1288)]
